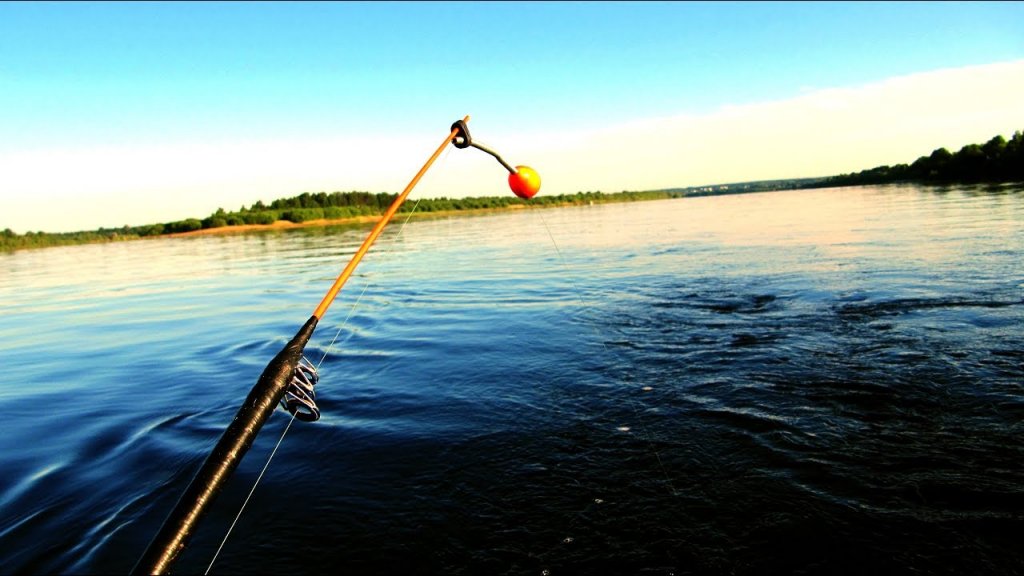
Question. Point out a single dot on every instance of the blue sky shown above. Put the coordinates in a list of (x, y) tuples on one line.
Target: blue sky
[(86, 88)]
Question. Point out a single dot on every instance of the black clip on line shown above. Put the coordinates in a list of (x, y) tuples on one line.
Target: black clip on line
[(463, 140)]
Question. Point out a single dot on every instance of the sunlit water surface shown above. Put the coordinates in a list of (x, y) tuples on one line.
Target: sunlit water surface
[(806, 382)]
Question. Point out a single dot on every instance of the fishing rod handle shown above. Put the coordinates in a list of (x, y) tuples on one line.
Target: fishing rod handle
[(225, 457)]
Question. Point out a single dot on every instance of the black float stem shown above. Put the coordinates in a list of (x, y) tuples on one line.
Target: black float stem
[(501, 160), (464, 140)]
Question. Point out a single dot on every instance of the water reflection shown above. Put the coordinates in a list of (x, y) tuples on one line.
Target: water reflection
[(841, 365)]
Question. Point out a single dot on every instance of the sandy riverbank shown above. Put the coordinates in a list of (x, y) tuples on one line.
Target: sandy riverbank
[(286, 225)]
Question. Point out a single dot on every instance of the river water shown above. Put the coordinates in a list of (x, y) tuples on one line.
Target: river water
[(797, 382)]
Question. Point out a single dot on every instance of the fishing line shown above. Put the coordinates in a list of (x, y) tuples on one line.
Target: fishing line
[(390, 246), (366, 286), (568, 538), (247, 498), (351, 311), (608, 352), (369, 283)]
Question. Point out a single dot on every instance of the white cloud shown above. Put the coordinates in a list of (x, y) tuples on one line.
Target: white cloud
[(819, 132)]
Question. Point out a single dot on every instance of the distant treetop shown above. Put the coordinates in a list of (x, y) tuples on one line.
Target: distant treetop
[(994, 161)]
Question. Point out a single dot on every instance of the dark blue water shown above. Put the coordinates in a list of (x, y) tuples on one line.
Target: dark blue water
[(807, 382)]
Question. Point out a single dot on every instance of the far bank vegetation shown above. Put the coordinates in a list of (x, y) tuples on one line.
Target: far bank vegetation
[(998, 160)]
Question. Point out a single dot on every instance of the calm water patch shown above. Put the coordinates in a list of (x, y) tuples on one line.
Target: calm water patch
[(805, 382)]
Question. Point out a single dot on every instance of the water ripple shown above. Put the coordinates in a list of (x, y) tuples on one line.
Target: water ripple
[(799, 382)]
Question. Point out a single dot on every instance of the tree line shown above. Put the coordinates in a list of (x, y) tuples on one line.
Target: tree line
[(312, 206), (994, 161), (997, 160)]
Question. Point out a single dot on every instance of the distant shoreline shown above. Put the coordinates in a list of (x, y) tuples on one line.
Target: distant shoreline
[(10, 242), (304, 211), (321, 222), (277, 225), (996, 161)]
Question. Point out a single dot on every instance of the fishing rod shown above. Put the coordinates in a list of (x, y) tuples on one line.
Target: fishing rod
[(288, 380)]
